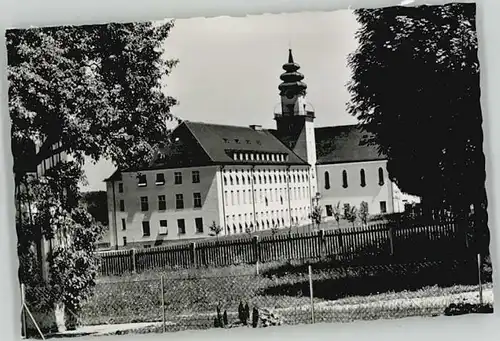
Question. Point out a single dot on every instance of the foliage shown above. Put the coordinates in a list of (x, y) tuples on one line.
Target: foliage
[(255, 317), (316, 215), (74, 232), (96, 203), (215, 230), (351, 214), (96, 89), (427, 56), (92, 91), (337, 213), (363, 213)]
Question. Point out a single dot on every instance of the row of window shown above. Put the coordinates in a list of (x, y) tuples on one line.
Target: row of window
[(329, 208), (362, 178), (160, 180), (163, 227), (265, 196), (162, 202), (264, 179), (248, 156), (264, 220)]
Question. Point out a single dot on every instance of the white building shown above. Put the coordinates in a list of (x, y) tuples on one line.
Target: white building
[(248, 178)]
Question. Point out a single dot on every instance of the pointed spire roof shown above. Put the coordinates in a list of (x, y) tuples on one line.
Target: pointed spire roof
[(292, 79)]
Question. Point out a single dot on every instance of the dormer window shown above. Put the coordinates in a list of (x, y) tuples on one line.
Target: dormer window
[(226, 140), (251, 156), (235, 156), (237, 141), (246, 156), (142, 181), (160, 179), (267, 157)]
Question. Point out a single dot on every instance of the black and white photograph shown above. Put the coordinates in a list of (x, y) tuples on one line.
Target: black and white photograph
[(249, 172)]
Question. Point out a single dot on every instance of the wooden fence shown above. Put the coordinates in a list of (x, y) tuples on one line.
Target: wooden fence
[(379, 240)]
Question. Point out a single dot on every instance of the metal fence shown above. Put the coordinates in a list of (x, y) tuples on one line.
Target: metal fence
[(379, 240), (282, 294)]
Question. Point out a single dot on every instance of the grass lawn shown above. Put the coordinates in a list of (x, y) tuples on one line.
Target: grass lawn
[(191, 296)]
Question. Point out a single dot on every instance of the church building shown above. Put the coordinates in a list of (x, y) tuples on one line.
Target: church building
[(246, 179)]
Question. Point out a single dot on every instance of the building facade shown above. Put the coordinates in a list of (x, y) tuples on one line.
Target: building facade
[(244, 179)]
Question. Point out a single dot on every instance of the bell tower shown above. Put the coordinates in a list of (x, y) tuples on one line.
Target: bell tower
[(295, 117)]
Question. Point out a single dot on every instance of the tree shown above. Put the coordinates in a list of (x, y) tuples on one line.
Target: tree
[(316, 215), (90, 91), (97, 206), (426, 115), (337, 213), (215, 230), (351, 214), (363, 213)]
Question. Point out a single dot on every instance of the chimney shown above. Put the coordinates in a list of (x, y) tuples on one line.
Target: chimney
[(256, 127)]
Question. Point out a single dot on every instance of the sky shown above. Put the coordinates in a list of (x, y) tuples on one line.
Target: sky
[(229, 69)]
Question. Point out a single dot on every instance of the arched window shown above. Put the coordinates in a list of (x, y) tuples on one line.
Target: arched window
[(237, 180), (344, 179), (225, 181), (243, 179), (362, 177), (380, 176), (230, 180), (327, 180)]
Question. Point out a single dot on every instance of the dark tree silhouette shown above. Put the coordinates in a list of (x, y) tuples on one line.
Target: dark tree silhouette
[(415, 86)]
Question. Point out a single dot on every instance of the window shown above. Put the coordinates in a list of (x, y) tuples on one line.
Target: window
[(243, 179), (178, 178), (120, 187), (124, 241), (238, 197), (122, 205), (181, 226), (144, 204), (329, 210), (344, 179), (226, 198), (362, 177), (124, 225), (142, 181), (162, 203), (327, 180), (197, 200), (199, 225), (230, 180), (225, 181), (380, 176), (196, 177), (244, 197), (237, 179), (232, 198), (163, 227), (179, 201), (383, 207), (160, 179), (146, 230)]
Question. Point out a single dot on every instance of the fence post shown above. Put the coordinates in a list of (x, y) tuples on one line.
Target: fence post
[(391, 240), (193, 254), (134, 263), (23, 312), (311, 293), (321, 240), (338, 232), (256, 252), (480, 279), (162, 302)]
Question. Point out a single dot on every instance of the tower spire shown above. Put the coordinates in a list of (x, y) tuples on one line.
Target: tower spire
[(290, 56)]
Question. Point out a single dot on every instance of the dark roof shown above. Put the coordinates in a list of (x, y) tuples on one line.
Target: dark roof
[(202, 144), (219, 141), (345, 144)]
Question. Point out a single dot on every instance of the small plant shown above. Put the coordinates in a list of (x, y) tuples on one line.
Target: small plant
[(316, 215), (241, 312), (218, 320), (274, 230), (363, 213), (350, 214), (247, 314), (224, 318), (215, 230), (255, 317), (337, 213)]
